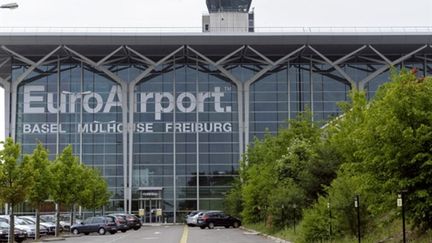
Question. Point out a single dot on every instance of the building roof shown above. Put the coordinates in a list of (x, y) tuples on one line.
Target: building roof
[(213, 43)]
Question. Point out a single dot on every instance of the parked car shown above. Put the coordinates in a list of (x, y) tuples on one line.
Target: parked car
[(19, 235), (23, 225), (48, 225), (101, 225), (49, 218), (133, 221), (121, 222), (192, 218), (216, 218), (65, 220)]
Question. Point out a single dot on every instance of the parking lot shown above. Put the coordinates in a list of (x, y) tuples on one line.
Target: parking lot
[(173, 234)]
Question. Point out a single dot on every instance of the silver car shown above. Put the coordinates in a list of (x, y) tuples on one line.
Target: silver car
[(25, 226), (192, 218), (48, 225)]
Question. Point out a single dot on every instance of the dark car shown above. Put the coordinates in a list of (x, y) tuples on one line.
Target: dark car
[(121, 222), (132, 221), (19, 235), (101, 225), (212, 219)]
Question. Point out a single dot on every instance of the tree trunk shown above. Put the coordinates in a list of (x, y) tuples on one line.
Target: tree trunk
[(57, 216), (37, 233), (72, 215), (12, 224)]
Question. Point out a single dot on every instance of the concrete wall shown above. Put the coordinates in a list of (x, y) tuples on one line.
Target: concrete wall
[(229, 22)]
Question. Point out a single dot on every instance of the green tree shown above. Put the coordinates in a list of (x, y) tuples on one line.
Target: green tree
[(384, 146), (297, 156), (233, 200), (286, 203), (395, 143), (95, 194), (67, 183), (13, 179), (40, 180)]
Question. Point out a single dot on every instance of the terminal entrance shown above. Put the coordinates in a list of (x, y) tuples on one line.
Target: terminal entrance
[(150, 204)]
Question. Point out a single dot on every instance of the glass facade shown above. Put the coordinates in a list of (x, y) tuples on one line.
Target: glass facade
[(191, 121)]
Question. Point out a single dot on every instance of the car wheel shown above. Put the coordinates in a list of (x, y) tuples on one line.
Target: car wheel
[(236, 224), (113, 232), (202, 227), (101, 231), (124, 231), (211, 225), (136, 228), (87, 233), (75, 231)]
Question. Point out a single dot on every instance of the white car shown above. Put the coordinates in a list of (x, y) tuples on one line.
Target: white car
[(192, 218), (48, 225), (25, 226)]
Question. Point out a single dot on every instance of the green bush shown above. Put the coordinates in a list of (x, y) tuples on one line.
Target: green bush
[(285, 205)]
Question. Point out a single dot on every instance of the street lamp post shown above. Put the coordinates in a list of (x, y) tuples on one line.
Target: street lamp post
[(357, 206), (330, 221), (283, 215), (401, 204), (9, 5), (294, 211)]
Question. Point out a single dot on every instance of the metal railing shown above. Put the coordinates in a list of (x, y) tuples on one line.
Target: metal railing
[(144, 30)]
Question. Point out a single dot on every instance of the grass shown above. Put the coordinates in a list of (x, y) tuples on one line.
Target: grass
[(391, 233), (286, 234)]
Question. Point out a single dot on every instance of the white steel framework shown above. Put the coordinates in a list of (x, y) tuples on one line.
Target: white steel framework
[(264, 63)]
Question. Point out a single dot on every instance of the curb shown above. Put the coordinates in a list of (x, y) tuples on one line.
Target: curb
[(276, 239), (53, 239), (159, 224)]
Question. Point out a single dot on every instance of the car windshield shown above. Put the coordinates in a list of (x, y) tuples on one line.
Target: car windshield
[(4, 225), (29, 220), (21, 222), (47, 218)]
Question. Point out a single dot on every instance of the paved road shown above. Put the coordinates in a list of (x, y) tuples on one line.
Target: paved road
[(173, 234)]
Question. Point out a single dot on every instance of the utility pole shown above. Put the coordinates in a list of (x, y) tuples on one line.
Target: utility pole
[(330, 221), (357, 206), (401, 204)]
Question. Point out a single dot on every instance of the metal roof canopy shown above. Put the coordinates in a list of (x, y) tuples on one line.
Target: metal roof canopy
[(211, 44)]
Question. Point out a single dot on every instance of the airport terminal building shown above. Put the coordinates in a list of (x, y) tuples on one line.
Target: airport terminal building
[(166, 116)]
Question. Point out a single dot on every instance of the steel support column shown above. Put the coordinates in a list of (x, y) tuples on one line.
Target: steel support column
[(5, 83), (132, 104), (375, 74), (238, 84), (99, 66), (7, 95), (335, 64), (15, 83), (271, 65)]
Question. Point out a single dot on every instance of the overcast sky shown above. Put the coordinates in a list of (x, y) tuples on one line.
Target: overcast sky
[(187, 13)]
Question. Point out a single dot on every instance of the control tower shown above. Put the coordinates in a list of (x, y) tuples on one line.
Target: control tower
[(228, 16)]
